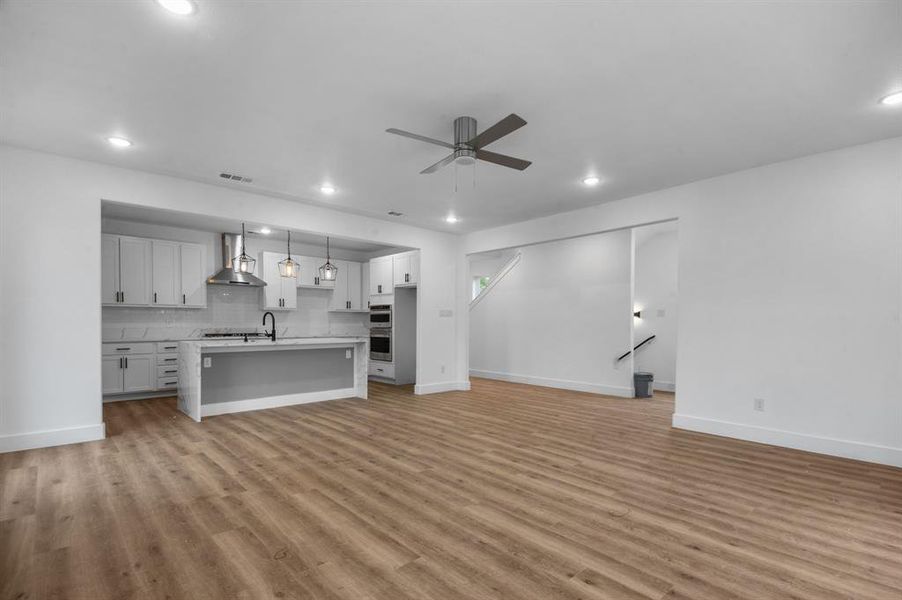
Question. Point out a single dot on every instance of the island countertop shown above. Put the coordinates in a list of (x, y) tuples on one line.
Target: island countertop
[(308, 369)]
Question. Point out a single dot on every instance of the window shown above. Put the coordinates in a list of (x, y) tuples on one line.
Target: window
[(479, 283)]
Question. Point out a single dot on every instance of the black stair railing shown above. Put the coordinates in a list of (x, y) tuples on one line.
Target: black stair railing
[(636, 347)]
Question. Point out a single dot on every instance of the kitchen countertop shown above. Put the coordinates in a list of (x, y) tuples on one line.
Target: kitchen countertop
[(297, 341), (133, 340)]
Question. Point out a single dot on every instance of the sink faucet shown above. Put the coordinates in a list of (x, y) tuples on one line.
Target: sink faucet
[(271, 334)]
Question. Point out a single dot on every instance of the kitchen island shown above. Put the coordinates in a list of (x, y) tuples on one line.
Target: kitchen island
[(225, 376)]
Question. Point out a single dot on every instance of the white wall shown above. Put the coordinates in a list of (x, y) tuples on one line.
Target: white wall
[(790, 279), (559, 318), (50, 246), (655, 293)]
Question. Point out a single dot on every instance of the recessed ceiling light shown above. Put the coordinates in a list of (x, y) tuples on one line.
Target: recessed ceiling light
[(590, 181), (119, 142), (894, 99), (451, 219), (265, 230), (183, 8), (327, 189)]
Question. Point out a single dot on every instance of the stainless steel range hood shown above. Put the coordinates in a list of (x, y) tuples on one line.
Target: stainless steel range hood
[(231, 248)]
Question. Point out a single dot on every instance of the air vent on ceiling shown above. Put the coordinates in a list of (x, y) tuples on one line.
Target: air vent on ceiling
[(395, 213), (237, 178)]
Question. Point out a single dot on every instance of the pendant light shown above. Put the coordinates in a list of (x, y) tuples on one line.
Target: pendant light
[(243, 262), (328, 272), (289, 267)]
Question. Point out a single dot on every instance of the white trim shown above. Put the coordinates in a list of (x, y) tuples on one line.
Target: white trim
[(564, 384), (884, 455), (222, 408), (52, 437), (445, 386), (496, 279), (664, 386)]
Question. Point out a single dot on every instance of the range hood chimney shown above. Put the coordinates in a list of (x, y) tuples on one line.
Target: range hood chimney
[(231, 249)]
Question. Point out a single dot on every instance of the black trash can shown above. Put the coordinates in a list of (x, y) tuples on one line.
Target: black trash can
[(643, 382)]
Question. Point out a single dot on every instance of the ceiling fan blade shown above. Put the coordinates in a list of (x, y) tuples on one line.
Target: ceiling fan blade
[(422, 138), (503, 160), (507, 125), (445, 161)]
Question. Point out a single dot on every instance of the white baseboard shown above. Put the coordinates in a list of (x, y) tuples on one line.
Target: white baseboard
[(564, 384), (444, 386), (224, 408), (665, 386), (884, 455), (52, 437)]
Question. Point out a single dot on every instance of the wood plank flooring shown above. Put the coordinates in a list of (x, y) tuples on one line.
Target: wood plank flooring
[(508, 491)]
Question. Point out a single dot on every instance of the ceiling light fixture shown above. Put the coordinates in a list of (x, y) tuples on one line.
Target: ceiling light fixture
[(894, 99), (328, 272), (591, 181), (244, 263), (289, 267), (119, 142), (182, 8), (327, 189), (451, 219), (267, 231)]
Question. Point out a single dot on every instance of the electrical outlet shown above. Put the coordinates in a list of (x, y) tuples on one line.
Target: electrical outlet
[(348, 353), (759, 404), (208, 362)]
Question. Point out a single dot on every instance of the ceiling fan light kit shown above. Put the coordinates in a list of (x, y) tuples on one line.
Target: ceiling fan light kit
[(468, 143)]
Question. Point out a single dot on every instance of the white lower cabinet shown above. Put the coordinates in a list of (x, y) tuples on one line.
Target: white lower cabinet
[(381, 369), (126, 373), (112, 375), (138, 374), (130, 368)]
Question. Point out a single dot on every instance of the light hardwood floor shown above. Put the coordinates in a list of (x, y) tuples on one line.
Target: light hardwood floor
[(507, 491)]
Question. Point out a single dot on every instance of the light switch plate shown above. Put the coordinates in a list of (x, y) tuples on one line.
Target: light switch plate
[(208, 362), (348, 353)]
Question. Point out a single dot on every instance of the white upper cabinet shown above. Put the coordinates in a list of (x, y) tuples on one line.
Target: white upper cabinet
[(134, 271), (309, 275), (109, 269), (355, 286), (143, 272), (193, 280), (165, 273), (348, 286), (406, 268), (280, 293), (125, 271), (381, 276)]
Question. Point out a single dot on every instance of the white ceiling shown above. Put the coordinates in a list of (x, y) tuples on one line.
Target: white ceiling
[(646, 94)]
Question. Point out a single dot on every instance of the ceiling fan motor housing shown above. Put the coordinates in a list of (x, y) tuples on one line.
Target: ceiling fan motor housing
[(464, 131)]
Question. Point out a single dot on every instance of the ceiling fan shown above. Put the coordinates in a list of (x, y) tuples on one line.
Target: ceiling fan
[(468, 146)]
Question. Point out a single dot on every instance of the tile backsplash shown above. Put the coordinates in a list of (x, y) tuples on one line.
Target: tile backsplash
[(231, 308)]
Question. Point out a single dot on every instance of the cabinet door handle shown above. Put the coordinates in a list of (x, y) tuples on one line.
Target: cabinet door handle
[(126, 361), (122, 349), (154, 297), (171, 371), (120, 362), (170, 382), (165, 360), (379, 288), (184, 300), (123, 296)]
